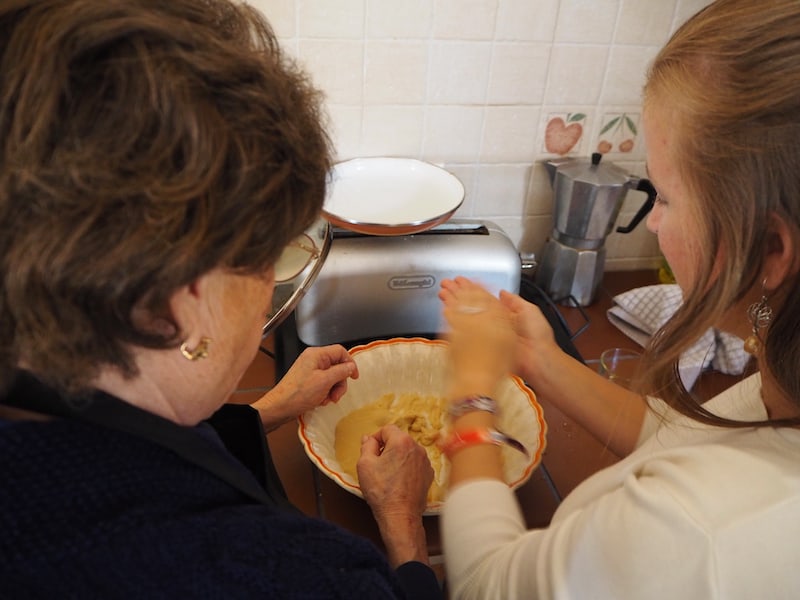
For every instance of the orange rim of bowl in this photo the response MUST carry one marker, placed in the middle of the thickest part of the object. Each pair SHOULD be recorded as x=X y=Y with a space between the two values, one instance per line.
x=534 y=461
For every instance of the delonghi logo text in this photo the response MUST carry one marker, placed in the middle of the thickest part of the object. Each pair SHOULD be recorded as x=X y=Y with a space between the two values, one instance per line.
x=412 y=282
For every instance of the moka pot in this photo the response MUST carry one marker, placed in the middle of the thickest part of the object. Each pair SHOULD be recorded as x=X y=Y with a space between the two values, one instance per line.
x=588 y=195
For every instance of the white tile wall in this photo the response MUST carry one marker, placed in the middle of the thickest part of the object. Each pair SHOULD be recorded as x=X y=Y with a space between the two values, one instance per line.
x=473 y=84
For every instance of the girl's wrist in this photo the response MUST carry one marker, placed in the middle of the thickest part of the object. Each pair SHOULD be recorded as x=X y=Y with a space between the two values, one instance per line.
x=540 y=367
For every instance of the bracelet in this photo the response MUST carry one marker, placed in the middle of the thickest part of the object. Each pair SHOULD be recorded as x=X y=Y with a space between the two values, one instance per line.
x=457 y=440
x=469 y=404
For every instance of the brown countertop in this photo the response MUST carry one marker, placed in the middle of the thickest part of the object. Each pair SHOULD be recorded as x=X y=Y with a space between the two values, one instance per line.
x=571 y=455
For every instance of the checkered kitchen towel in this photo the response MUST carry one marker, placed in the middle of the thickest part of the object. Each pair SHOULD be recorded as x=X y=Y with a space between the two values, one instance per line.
x=640 y=312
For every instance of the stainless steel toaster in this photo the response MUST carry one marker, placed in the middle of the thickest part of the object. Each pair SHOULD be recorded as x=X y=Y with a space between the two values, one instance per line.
x=374 y=287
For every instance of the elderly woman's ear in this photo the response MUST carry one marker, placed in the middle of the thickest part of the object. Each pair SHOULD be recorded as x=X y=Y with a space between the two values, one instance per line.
x=184 y=313
x=198 y=306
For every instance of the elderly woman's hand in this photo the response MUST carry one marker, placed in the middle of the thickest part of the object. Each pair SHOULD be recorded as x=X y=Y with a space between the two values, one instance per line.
x=394 y=474
x=317 y=377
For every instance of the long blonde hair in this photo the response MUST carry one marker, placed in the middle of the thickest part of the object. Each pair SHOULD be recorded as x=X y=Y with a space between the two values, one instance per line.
x=729 y=79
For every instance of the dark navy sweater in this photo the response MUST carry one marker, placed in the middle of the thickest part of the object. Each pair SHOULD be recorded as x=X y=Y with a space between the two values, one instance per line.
x=90 y=511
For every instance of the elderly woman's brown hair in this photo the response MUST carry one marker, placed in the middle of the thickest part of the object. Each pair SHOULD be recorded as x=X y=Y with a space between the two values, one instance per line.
x=732 y=75
x=134 y=159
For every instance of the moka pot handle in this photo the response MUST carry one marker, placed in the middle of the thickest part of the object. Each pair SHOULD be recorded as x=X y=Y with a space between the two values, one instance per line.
x=643 y=185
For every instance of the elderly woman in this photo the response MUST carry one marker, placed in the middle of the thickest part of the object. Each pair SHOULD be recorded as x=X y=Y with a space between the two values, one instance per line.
x=706 y=501
x=157 y=160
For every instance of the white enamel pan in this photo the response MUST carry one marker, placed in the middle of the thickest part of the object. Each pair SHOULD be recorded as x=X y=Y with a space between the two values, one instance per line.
x=391 y=196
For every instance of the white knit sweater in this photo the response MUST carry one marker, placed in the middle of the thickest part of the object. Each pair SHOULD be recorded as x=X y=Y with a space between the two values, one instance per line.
x=693 y=512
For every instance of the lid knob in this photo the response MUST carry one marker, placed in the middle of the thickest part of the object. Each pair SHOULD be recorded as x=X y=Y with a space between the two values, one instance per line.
x=596 y=157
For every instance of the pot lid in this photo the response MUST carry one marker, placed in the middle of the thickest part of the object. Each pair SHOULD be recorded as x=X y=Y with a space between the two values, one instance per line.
x=391 y=196
x=288 y=293
x=592 y=171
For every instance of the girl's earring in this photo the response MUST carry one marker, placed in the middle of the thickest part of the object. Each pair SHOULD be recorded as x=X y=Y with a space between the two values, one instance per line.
x=760 y=315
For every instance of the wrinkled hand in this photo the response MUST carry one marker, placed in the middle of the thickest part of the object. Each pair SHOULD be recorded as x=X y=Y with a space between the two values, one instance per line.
x=394 y=474
x=481 y=335
x=317 y=377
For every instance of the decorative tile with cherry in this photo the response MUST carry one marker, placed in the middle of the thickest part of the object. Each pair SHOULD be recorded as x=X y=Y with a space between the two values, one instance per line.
x=618 y=133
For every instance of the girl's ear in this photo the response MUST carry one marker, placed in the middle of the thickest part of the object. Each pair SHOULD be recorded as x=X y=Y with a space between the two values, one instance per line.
x=781 y=259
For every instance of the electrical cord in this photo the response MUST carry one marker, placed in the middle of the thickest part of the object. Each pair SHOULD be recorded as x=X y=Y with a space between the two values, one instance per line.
x=267 y=351
x=564 y=336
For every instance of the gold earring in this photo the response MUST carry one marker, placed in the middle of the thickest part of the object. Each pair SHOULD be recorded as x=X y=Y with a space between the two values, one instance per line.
x=201 y=351
x=760 y=315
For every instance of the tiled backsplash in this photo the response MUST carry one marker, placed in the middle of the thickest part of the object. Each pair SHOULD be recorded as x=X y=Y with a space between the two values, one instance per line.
x=488 y=89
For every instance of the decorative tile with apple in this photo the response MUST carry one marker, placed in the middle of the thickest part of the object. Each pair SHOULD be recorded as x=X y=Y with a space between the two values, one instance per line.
x=563 y=132
x=618 y=133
